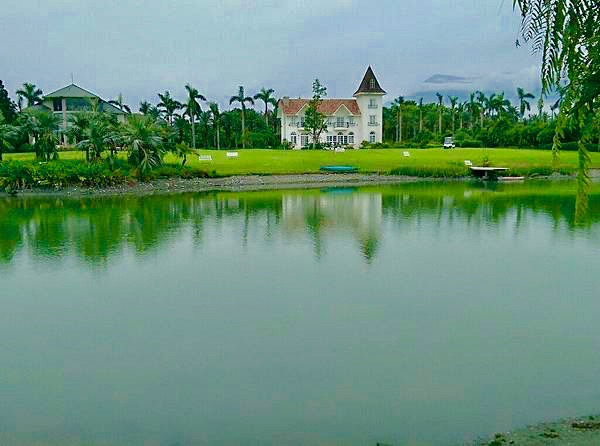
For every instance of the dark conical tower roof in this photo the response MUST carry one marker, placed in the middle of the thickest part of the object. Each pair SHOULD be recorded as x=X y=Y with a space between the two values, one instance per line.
x=369 y=84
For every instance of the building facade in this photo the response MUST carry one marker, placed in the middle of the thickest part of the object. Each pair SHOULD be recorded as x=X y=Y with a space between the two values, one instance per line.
x=349 y=121
x=73 y=99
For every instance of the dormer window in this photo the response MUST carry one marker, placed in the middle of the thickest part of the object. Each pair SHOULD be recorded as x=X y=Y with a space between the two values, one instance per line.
x=339 y=121
x=372 y=84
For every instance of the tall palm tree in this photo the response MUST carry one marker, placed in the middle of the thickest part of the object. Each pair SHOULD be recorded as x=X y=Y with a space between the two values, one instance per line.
x=168 y=105
x=420 y=115
x=242 y=100
x=397 y=106
x=43 y=127
x=462 y=106
x=440 y=107
x=215 y=119
x=266 y=95
x=483 y=102
x=192 y=108
x=453 y=102
x=120 y=104
x=523 y=103
x=30 y=93
x=473 y=108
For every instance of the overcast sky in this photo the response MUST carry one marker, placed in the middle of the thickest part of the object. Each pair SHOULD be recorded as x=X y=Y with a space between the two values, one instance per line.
x=140 y=48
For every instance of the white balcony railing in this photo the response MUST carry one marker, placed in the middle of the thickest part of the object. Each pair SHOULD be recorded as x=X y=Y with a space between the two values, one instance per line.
x=373 y=124
x=373 y=106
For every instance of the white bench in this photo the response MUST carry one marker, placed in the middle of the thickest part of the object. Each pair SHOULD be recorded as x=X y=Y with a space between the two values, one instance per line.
x=406 y=154
x=468 y=163
x=205 y=158
x=232 y=154
x=339 y=150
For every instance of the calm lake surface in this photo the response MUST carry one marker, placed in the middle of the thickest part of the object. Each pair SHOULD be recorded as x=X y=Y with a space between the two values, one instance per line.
x=418 y=314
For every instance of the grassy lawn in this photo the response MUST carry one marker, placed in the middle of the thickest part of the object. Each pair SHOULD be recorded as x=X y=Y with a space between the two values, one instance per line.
x=381 y=160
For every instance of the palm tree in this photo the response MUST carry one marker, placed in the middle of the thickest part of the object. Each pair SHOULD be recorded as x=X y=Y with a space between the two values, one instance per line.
x=95 y=137
x=145 y=107
x=168 y=105
x=120 y=104
x=30 y=93
x=242 y=100
x=420 y=115
x=523 y=103
x=192 y=108
x=498 y=104
x=266 y=95
x=483 y=102
x=453 y=102
x=397 y=105
x=43 y=127
x=141 y=136
x=440 y=106
x=473 y=108
x=215 y=119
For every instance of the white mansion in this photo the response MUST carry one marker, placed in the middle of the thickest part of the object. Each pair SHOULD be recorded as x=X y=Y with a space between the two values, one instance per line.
x=349 y=121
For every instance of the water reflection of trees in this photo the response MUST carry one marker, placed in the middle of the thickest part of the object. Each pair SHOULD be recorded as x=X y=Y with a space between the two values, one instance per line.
x=97 y=229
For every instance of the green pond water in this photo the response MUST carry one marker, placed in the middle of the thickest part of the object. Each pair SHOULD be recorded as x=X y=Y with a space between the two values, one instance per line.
x=417 y=314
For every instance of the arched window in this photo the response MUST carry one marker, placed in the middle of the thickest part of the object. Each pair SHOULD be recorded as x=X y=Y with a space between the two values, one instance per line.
x=293 y=138
x=372 y=137
x=351 y=138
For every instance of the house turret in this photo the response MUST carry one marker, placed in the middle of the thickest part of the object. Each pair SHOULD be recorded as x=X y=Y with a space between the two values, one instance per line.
x=370 y=100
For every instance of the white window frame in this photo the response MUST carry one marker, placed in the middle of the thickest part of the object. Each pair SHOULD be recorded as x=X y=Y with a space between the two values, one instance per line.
x=372 y=137
x=293 y=138
x=351 y=138
x=372 y=119
x=339 y=122
x=304 y=140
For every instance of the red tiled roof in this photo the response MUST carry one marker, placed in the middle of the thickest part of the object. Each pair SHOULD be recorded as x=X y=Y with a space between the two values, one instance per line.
x=328 y=106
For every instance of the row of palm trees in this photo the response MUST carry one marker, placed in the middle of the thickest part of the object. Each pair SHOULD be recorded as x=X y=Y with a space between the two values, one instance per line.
x=170 y=108
x=479 y=106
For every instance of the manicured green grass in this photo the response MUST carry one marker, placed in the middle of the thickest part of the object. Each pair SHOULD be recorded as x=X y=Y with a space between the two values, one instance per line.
x=422 y=162
x=380 y=160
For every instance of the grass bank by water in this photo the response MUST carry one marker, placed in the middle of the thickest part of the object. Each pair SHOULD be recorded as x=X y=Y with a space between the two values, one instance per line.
x=21 y=171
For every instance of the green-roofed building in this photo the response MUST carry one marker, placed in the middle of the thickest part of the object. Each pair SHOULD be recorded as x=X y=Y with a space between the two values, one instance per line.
x=73 y=99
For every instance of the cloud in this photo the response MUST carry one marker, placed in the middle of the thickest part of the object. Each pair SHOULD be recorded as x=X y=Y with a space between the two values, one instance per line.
x=447 y=79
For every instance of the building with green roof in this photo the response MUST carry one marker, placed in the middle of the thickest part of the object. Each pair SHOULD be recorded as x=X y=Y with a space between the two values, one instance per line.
x=73 y=99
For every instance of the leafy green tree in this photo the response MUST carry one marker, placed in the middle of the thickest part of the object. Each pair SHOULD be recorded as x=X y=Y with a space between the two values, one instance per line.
x=192 y=108
x=314 y=120
x=242 y=99
x=141 y=136
x=120 y=104
x=266 y=95
x=8 y=134
x=30 y=93
x=8 y=109
x=524 y=105
x=215 y=119
x=168 y=106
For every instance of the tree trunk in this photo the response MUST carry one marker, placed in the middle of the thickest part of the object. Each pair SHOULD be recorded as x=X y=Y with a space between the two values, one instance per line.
x=243 y=130
x=440 y=122
x=218 y=139
x=453 y=122
x=193 y=131
x=420 y=121
x=400 y=131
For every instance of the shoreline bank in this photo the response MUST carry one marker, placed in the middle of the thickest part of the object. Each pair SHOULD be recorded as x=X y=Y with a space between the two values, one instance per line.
x=246 y=183
x=581 y=431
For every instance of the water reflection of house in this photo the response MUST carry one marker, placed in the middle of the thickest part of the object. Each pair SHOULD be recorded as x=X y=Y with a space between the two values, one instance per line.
x=335 y=211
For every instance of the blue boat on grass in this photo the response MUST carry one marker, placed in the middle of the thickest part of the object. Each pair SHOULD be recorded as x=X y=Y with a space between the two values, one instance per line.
x=339 y=169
